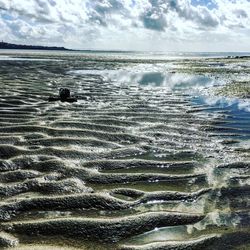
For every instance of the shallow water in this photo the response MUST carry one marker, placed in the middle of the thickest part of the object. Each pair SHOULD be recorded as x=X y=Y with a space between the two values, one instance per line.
x=149 y=157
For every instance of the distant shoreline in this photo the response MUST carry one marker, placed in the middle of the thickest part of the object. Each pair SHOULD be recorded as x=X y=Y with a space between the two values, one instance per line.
x=10 y=46
x=4 y=45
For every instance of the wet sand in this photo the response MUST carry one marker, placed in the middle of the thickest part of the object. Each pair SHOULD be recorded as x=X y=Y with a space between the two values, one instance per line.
x=153 y=155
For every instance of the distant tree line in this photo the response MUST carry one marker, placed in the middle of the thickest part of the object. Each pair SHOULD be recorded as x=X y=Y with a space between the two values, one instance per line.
x=4 y=45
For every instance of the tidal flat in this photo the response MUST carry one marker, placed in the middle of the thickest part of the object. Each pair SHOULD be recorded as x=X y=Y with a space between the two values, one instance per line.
x=155 y=153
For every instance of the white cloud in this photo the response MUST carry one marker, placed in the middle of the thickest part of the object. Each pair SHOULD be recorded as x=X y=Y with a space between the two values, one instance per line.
x=128 y=24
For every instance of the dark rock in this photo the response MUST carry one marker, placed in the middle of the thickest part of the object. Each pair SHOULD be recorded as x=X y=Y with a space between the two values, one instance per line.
x=64 y=93
x=64 y=96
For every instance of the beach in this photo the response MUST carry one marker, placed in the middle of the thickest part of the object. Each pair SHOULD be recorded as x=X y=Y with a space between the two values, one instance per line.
x=155 y=153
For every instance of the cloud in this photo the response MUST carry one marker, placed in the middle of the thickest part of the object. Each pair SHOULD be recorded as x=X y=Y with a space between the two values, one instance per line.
x=127 y=24
x=154 y=17
x=101 y=12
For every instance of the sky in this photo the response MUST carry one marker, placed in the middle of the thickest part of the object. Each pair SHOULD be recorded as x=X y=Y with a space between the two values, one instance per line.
x=147 y=25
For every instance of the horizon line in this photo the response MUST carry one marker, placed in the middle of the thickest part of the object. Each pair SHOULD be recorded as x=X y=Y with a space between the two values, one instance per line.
x=112 y=50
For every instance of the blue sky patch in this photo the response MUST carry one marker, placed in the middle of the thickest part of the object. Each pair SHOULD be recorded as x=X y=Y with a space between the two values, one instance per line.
x=7 y=16
x=210 y=4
